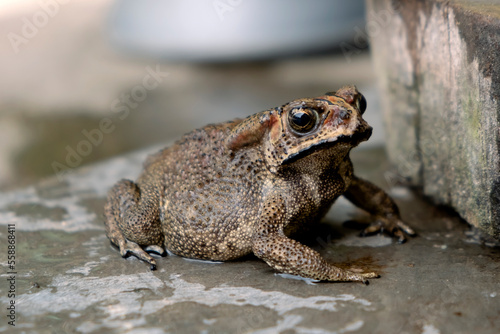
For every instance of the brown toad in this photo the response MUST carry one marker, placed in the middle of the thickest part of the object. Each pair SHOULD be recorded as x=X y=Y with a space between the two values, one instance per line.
x=230 y=189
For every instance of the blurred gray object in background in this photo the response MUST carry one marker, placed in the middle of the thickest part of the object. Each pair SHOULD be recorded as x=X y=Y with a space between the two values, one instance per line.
x=232 y=30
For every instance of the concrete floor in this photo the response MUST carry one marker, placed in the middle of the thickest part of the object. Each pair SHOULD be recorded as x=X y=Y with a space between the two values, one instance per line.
x=71 y=280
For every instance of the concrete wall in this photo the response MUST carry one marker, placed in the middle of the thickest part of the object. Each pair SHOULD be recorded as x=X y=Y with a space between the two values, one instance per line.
x=438 y=66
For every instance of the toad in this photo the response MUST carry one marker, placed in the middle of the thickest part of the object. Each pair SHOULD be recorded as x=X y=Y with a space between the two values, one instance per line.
x=244 y=186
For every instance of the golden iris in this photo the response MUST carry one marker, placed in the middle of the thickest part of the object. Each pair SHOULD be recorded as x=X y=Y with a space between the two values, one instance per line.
x=303 y=120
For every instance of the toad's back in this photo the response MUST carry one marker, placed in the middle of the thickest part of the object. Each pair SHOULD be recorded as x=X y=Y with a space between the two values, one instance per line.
x=208 y=191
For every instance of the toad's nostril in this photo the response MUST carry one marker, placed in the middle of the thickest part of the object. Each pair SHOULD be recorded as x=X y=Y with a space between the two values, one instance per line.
x=343 y=114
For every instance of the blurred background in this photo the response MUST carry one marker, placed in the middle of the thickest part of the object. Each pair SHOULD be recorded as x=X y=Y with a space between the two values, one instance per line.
x=82 y=81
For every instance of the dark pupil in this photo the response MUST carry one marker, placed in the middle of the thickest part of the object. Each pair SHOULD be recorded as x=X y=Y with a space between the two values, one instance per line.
x=301 y=119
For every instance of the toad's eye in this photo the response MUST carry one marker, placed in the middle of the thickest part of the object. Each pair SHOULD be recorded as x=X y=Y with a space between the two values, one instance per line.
x=361 y=103
x=303 y=120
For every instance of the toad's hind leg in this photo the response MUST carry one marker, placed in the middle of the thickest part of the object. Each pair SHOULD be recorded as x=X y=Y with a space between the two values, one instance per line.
x=132 y=221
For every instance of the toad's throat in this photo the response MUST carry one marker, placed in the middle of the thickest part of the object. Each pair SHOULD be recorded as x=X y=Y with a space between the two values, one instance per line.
x=353 y=140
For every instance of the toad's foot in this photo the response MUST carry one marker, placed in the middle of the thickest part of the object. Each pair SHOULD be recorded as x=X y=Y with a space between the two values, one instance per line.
x=391 y=224
x=128 y=248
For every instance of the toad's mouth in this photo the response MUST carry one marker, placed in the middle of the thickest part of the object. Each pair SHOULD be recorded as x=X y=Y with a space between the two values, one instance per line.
x=352 y=141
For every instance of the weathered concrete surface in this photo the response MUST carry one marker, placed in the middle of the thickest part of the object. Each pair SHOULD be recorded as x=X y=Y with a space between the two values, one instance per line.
x=438 y=65
x=69 y=279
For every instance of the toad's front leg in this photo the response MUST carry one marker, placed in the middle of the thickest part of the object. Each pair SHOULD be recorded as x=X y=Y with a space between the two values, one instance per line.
x=385 y=212
x=291 y=257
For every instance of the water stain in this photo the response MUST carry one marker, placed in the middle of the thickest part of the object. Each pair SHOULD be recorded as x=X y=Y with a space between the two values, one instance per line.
x=362 y=264
x=52 y=188
x=37 y=211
